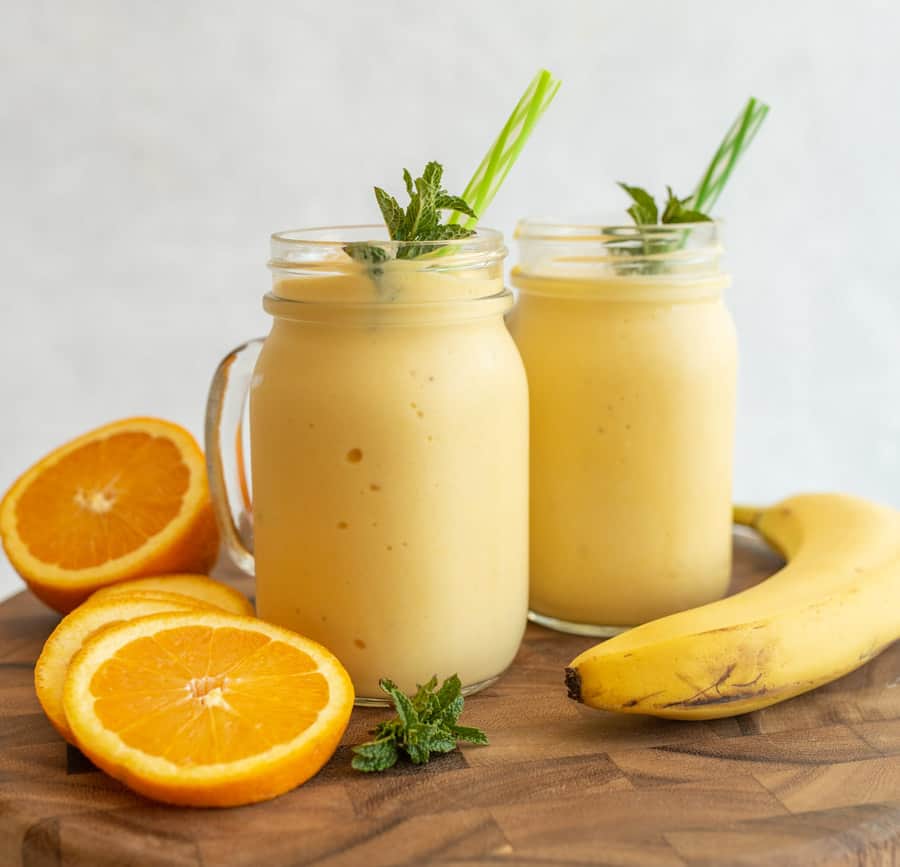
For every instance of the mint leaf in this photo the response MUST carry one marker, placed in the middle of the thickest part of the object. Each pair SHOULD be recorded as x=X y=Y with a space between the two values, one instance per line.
x=425 y=724
x=644 y=210
x=390 y=210
x=445 y=202
x=438 y=738
x=378 y=755
x=425 y=701
x=450 y=700
x=470 y=734
x=677 y=211
x=406 y=711
x=674 y=207
x=447 y=233
x=685 y=215
x=416 y=744
x=450 y=690
x=432 y=175
x=450 y=714
x=409 y=228
x=363 y=252
x=391 y=729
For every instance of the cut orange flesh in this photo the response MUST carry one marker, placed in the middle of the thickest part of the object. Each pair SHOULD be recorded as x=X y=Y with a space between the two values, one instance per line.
x=123 y=501
x=206 y=709
x=199 y=587
x=72 y=631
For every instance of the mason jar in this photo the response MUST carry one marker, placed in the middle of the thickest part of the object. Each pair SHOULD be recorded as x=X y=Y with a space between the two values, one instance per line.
x=389 y=454
x=631 y=359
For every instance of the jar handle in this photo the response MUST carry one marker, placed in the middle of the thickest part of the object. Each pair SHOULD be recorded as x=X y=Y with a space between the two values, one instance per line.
x=224 y=436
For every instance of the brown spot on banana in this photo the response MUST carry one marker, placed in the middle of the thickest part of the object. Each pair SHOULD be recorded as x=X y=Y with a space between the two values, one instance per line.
x=738 y=693
x=634 y=702
x=703 y=693
x=705 y=700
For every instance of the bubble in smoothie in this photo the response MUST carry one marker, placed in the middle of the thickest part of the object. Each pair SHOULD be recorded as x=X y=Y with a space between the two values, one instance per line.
x=354 y=456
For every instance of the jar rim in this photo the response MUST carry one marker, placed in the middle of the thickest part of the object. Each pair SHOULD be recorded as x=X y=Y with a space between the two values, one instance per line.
x=316 y=265
x=603 y=232
x=323 y=238
x=590 y=251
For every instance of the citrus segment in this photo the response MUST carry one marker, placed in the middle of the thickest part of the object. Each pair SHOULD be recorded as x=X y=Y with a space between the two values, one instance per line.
x=71 y=632
x=126 y=500
x=206 y=709
x=200 y=587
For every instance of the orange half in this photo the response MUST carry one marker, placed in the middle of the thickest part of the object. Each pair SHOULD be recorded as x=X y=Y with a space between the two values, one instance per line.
x=123 y=501
x=206 y=709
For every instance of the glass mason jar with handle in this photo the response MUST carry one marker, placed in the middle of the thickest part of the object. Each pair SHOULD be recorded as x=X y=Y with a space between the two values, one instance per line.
x=388 y=437
x=631 y=360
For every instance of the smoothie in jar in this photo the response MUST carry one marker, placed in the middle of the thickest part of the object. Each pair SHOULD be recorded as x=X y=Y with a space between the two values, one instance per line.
x=631 y=362
x=389 y=435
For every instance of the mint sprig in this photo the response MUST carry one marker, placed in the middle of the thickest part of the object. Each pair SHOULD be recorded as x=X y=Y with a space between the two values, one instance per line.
x=644 y=210
x=425 y=724
x=695 y=208
x=421 y=221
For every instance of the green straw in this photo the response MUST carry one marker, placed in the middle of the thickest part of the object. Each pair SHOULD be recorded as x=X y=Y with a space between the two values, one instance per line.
x=497 y=162
x=736 y=141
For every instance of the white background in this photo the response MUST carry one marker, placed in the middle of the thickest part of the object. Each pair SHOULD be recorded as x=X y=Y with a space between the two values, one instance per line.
x=148 y=149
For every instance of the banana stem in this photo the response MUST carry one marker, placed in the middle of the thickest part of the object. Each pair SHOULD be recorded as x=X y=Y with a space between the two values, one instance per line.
x=747 y=516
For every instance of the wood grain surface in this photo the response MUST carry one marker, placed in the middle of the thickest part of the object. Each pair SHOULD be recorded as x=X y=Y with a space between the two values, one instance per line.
x=813 y=781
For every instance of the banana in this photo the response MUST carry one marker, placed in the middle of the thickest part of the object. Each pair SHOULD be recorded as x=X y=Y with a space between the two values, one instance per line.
x=833 y=607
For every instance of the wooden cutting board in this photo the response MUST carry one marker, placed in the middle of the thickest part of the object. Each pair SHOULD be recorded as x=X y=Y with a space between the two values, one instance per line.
x=813 y=781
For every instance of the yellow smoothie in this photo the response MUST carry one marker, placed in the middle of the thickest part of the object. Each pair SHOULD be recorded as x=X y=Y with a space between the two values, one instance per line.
x=389 y=437
x=632 y=388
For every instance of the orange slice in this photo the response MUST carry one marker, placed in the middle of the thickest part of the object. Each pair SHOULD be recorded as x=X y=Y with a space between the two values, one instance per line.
x=66 y=640
x=123 y=501
x=197 y=586
x=179 y=600
x=206 y=709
